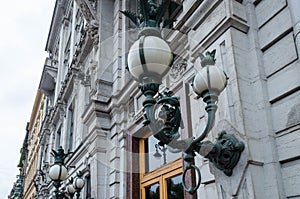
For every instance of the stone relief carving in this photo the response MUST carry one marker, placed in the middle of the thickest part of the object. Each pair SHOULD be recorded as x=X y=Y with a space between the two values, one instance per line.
x=52 y=125
x=93 y=3
x=177 y=71
x=62 y=108
x=93 y=77
x=84 y=78
x=78 y=49
x=92 y=30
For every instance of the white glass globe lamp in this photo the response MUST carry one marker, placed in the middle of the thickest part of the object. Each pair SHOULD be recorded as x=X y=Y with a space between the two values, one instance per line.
x=149 y=59
x=209 y=79
x=58 y=172
x=78 y=183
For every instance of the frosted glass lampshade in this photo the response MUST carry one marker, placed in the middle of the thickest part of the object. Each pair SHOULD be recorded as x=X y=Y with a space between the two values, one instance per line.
x=78 y=183
x=209 y=78
x=157 y=56
x=71 y=189
x=58 y=172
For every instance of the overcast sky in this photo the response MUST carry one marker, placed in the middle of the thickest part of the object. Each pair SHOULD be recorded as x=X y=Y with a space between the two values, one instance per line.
x=24 y=30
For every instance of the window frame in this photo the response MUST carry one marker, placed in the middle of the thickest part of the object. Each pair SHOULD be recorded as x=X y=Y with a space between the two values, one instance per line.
x=160 y=175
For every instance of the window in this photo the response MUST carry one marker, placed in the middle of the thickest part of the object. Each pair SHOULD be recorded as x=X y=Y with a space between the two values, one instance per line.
x=157 y=156
x=70 y=128
x=161 y=171
x=88 y=187
x=58 y=138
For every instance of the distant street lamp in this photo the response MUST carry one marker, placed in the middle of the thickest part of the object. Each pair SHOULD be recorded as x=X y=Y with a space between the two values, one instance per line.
x=70 y=188
x=58 y=172
x=18 y=189
x=157 y=155
x=78 y=184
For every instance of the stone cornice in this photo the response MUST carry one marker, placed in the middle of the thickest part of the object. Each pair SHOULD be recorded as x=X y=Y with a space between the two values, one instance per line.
x=211 y=20
x=56 y=22
x=226 y=24
x=88 y=9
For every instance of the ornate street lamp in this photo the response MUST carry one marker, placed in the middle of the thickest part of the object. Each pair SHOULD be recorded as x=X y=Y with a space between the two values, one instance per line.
x=18 y=191
x=149 y=60
x=78 y=184
x=58 y=172
x=157 y=154
x=70 y=188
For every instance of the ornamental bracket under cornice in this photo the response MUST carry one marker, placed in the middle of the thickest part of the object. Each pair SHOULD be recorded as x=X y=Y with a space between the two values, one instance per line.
x=88 y=9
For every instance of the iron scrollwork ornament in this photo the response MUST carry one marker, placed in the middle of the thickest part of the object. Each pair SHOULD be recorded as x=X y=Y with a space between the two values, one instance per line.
x=166 y=118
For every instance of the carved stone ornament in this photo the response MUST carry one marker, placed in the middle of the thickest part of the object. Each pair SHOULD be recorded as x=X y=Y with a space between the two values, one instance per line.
x=177 y=71
x=89 y=10
x=93 y=4
x=62 y=109
x=92 y=30
x=93 y=77
x=84 y=78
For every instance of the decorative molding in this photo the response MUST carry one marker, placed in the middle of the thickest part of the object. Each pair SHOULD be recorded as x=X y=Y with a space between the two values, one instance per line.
x=79 y=49
x=88 y=9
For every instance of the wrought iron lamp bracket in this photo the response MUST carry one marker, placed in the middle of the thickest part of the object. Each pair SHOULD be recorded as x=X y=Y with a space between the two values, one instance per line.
x=162 y=111
x=224 y=153
x=162 y=115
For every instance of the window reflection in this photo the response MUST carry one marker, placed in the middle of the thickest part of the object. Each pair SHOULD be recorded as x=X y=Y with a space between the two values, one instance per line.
x=175 y=188
x=157 y=156
x=152 y=192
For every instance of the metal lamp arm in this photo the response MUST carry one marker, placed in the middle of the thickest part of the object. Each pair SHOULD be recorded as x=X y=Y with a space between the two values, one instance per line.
x=210 y=98
x=149 y=90
x=209 y=126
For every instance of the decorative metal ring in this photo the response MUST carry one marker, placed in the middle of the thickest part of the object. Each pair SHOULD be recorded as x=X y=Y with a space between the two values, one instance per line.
x=192 y=189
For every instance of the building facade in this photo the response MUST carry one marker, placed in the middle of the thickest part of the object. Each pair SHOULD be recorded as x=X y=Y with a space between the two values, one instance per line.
x=34 y=130
x=94 y=107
